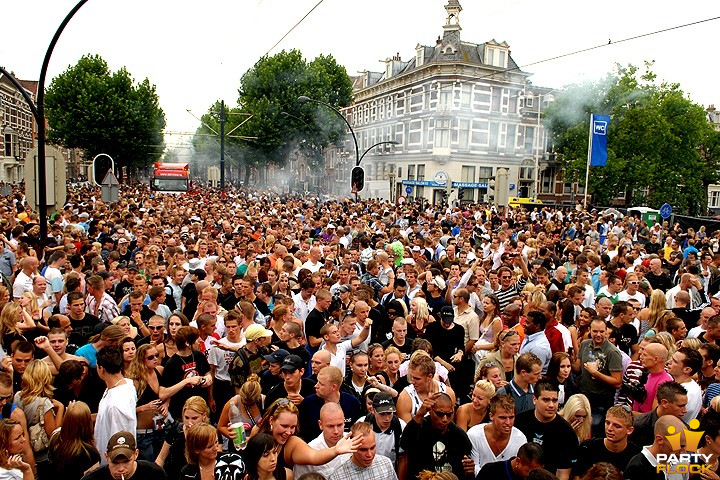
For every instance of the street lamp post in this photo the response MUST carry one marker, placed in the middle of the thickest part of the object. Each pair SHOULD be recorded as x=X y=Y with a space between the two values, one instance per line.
x=358 y=157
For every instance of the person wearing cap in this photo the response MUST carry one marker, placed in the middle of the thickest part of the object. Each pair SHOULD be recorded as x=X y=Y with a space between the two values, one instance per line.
x=294 y=387
x=435 y=299
x=447 y=339
x=272 y=376
x=249 y=358
x=122 y=461
x=388 y=427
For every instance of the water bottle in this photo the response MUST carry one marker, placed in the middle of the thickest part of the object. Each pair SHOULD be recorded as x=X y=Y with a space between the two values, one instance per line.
x=237 y=425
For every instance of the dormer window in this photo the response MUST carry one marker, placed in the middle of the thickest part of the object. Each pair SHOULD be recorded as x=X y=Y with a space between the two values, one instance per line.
x=496 y=56
x=449 y=50
x=419 y=56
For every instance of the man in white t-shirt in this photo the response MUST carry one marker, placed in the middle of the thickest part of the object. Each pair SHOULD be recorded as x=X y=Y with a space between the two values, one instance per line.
x=220 y=356
x=684 y=364
x=54 y=276
x=116 y=411
x=337 y=348
x=332 y=425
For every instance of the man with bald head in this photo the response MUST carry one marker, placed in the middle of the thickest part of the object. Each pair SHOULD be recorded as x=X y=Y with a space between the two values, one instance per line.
x=332 y=427
x=653 y=359
x=603 y=307
x=688 y=283
x=705 y=315
x=669 y=439
x=24 y=279
x=656 y=276
x=313 y=263
x=320 y=360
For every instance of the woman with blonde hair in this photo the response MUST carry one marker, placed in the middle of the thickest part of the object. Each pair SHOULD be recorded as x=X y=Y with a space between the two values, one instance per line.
x=476 y=411
x=29 y=302
x=249 y=401
x=172 y=455
x=43 y=413
x=506 y=351
x=393 y=360
x=72 y=449
x=577 y=413
x=203 y=453
x=281 y=422
x=125 y=323
x=14 y=321
x=651 y=315
x=419 y=316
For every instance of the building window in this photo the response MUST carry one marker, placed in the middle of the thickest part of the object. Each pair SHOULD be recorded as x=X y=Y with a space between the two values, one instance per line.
x=400 y=105
x=421 y=172
x=442 y=133
x=411 y=172
x=715 y=198
x=415 y=133
x=482 y=98
x=502 y=138
x=416 y=100
x=400 y=134
x=468 y=173
x=529 y=139
x=547 y=180
x=419 y=192
x=527 y=170
x=485 y=174
x=445 y=97
x=496 y=56
x=463 y=133
x=480 y=133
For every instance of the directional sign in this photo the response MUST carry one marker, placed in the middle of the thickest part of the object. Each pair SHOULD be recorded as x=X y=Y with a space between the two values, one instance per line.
x=408 y=189
x=665 y=211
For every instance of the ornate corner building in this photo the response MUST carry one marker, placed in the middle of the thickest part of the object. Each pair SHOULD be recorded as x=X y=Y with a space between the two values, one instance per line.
x=458 y=111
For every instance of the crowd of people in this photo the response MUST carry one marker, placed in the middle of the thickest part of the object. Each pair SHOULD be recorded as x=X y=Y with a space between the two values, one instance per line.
x=253 y=336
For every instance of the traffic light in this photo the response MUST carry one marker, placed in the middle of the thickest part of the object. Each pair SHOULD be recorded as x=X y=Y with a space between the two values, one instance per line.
x=461 y=194
x=357 y=179
x=101 y=164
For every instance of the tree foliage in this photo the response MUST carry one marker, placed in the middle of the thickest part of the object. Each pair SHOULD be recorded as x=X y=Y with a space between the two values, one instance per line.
x=271 y=87
x=99 y=111
x=661 y=147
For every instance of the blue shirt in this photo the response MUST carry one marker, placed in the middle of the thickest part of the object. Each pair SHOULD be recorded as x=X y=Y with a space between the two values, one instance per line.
x=88 y=352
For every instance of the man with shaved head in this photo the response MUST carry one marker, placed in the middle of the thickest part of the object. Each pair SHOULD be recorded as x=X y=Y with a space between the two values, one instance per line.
x=705 y=315
x=669 y=439
x=332 y=426
x=653 y=359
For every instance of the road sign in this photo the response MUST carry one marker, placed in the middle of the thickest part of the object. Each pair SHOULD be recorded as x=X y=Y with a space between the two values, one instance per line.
x=408 y=189
x=401 y=200
x=665 y=211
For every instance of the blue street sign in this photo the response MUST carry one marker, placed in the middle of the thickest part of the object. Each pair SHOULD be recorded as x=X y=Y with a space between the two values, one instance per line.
x=665 y=211
x=408 y=189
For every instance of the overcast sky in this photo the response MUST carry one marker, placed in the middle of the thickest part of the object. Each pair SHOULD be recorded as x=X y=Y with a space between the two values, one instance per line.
x=196 y=51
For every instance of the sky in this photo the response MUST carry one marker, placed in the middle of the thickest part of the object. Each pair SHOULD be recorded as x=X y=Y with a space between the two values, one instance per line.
x=196 y=52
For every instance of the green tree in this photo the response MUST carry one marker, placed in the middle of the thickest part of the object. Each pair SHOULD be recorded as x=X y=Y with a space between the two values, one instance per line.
x=661 y=148
x=271 y=87
x=99 y=111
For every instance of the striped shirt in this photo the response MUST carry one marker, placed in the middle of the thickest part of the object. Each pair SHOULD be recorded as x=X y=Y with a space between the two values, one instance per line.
x=514 y=290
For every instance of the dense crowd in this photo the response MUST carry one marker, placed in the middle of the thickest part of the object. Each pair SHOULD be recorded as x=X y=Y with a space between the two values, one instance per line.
x=247 y=335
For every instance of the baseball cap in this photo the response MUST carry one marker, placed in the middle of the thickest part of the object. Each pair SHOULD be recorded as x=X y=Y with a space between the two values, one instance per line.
x=383 y=402
x=447 y=314
x=255 y=331
x=438 y=282
x=122 y=443
x=277 y=356
x=123 y=240
x=292 y=363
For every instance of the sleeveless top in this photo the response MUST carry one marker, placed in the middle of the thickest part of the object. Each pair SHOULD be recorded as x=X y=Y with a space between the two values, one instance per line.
x=415 y=398
x=148 y=394
x=487 y=333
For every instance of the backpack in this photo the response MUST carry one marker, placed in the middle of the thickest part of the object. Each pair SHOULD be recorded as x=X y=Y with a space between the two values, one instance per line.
x=396 y=428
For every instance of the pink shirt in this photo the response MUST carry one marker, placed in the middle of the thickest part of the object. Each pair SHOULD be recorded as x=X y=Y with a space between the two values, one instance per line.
x=653 y=381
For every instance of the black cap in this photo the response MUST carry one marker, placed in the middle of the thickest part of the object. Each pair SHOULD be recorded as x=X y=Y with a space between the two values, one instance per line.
x=383 y=402
x=447 y=314
x=292 y=363
x=277 y=356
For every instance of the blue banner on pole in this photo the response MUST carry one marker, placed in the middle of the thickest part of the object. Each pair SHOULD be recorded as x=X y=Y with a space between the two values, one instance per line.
x=598 y=140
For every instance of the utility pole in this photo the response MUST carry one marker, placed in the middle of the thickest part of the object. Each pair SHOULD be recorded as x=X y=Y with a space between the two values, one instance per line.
x=222 y=145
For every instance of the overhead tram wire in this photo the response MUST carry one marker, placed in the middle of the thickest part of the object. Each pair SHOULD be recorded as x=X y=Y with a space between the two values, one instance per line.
x=293 y=27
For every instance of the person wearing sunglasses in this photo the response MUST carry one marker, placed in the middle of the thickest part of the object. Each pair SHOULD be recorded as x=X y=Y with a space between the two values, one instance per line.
x=433 y=442
x=152 y=402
